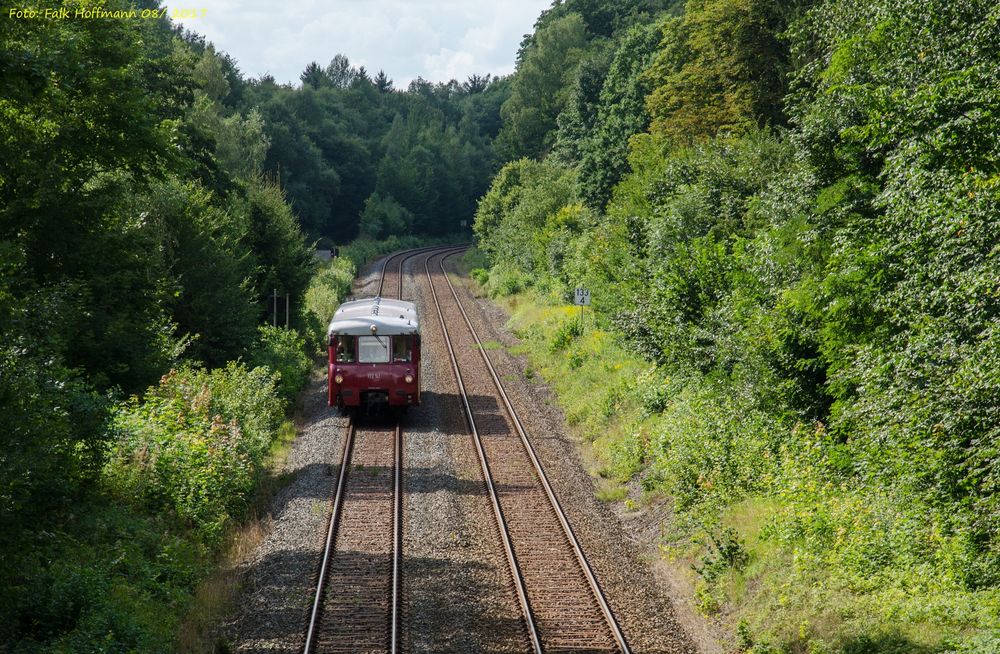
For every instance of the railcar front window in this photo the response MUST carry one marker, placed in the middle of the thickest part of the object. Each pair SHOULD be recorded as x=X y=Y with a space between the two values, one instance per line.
x=373 y=349
x=345 y=349
x=402 y=348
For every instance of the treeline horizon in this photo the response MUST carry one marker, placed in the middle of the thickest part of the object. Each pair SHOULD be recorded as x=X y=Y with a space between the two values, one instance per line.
x=357 y=157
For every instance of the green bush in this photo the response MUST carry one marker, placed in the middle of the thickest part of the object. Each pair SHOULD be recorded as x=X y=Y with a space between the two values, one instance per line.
x=195 y=444
x=110 y=579
x=282 y=351
x=481 y=276
x=328 y=288
x=505 y=280
x=564 y=335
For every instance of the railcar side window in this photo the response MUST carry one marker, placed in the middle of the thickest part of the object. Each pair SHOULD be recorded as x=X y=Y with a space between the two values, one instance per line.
x=402 y=348
x=345 y=348
x=373 y=349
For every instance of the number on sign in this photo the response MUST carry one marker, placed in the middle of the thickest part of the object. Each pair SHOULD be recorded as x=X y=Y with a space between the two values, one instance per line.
x=582 y=297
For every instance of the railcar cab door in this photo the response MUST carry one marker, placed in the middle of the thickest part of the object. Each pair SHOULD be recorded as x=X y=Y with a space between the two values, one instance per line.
x=343 y=349
x=406 y=350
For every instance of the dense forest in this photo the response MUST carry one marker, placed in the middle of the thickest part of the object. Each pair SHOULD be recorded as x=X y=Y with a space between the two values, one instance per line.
x=152 y=199
x=787 y=213
x=346 y=144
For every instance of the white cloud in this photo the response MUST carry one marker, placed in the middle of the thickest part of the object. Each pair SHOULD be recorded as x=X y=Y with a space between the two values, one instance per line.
x=437 y=40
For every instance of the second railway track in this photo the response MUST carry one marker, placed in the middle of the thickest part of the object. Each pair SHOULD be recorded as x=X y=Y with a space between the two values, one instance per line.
x=563 y=606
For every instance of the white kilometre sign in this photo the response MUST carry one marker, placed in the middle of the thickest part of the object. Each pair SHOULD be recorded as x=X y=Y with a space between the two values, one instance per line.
x=582 y=297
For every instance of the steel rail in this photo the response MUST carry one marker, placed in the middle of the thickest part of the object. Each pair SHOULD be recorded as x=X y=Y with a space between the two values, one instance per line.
x=515 y=570
x=397 y=539
x=571 y=537
x=397 y=503
x=406 y=256
x=331 y=535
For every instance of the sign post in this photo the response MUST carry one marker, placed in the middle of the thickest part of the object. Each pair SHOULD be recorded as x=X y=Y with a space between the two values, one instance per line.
x=582 y=298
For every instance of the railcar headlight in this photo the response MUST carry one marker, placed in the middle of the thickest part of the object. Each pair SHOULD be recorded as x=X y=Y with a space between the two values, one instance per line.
x=339 y=379
x=408 y=379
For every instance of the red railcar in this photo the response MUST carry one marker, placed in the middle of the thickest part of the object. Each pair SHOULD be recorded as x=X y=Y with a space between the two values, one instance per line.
x=374 y=347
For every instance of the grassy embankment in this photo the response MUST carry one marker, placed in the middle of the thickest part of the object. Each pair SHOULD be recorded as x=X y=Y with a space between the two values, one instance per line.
x=800 y=565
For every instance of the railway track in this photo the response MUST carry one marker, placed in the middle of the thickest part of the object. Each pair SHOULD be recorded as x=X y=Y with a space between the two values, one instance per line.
x=562 y=605
x=356 y=608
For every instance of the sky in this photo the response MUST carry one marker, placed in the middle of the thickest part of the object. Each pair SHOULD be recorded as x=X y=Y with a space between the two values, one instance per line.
x=434 y=39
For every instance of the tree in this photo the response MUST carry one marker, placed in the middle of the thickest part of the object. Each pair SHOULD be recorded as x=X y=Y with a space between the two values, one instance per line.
x=476 y=83
x=384 y=217
x=721 y=68
x=211 y=77
x=382 y=82
x=620 y=114
x=241 y=144
x=314 y=76
x=340 y=72
x=577 y=120
x=540 y=88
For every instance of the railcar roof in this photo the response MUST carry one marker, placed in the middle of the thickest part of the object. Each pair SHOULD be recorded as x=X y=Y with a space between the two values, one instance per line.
x=389 y=317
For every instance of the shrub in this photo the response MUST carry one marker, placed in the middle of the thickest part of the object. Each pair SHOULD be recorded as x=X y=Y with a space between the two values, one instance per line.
x=282 y=351
x=564 y=335
x=327 y=290
x=654 y=393
x=195 y=444
x=481 y=276
x=725 y=552
x=505 y=280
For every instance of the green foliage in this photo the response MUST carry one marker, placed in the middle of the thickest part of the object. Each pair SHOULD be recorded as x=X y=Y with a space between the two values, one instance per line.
x=721 y=69
x=576 y=121
x=505 y=280
x=481 y=275
x=201 y=243
x=519 y=221
x=278 y=255
x=345 y=146
x=135 y=232
x=328 y=289
x=284 y=352
x=602 y=18
x=620 y=113
x=52 y=420
x=383 y=217
x=539 y=91
x=195 y=444
x=563 y=336
x=819 y=303
x=725 y=552
x=107 y=577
